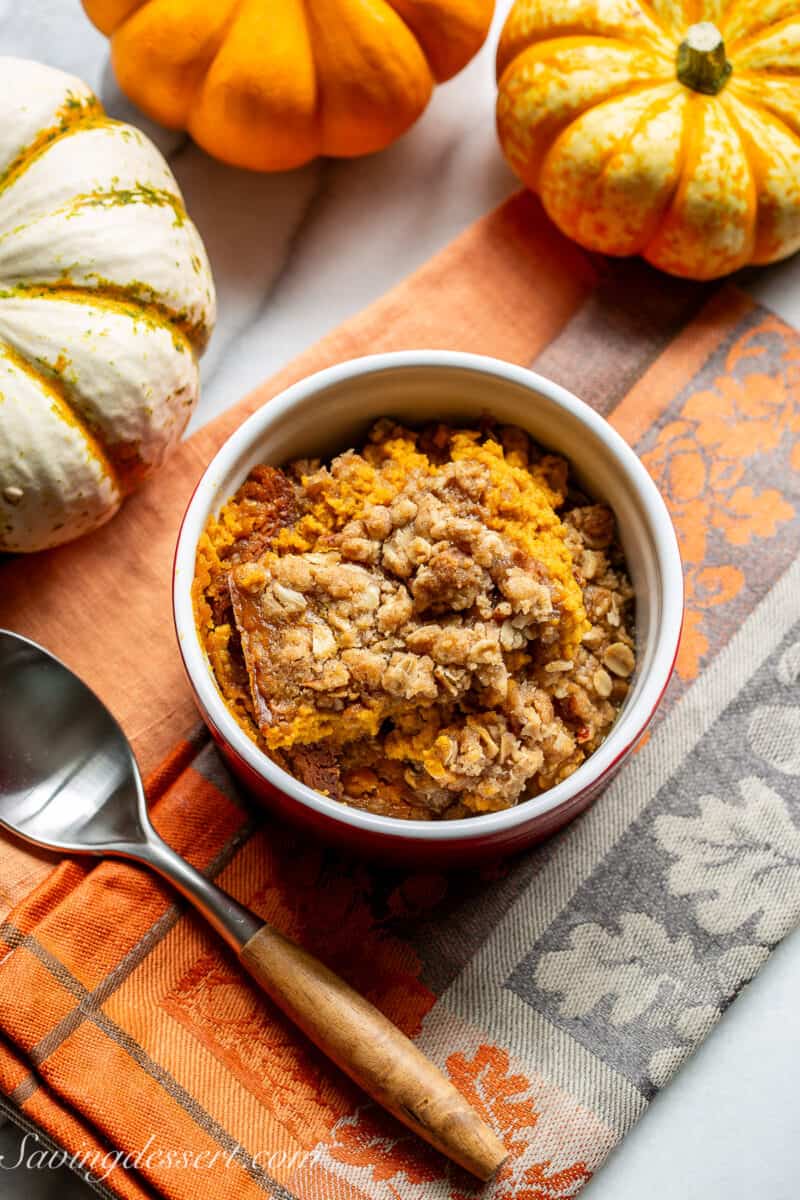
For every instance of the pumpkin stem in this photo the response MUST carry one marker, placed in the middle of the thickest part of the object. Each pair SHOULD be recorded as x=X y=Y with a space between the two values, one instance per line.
x=702 y=65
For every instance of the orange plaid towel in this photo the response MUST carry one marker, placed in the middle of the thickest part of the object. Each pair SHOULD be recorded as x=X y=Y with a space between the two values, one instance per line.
x=561 y=991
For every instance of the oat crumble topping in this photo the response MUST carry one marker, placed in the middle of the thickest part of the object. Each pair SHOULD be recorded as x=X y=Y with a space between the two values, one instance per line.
x=434 y=626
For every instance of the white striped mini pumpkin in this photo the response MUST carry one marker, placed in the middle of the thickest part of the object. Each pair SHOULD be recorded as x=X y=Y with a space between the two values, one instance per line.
x=106 y=302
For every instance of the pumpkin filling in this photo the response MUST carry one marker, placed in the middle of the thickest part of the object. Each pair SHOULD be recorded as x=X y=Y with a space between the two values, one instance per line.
x=435 y=625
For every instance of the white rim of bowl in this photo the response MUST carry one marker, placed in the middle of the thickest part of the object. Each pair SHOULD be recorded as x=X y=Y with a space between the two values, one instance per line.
x=624 y=733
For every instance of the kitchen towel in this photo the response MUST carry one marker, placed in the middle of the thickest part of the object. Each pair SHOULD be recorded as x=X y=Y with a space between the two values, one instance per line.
x=560 y=990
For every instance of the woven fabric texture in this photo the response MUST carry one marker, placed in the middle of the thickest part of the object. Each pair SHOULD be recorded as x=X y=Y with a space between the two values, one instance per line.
x=559 y=991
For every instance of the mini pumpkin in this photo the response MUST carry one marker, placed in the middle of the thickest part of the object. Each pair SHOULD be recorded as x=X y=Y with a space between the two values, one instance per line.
x=106 y=301
x=271 y=84
x=669 y=129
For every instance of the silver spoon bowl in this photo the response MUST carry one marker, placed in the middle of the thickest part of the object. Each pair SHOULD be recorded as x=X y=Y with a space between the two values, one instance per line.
x=69 y=780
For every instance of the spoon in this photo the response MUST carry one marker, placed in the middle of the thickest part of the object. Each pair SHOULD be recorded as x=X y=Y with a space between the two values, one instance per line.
x=69 y=781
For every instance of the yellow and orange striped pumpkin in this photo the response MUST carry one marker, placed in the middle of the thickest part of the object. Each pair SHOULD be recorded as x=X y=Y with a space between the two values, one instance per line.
x=666 y=128
x=271 y=84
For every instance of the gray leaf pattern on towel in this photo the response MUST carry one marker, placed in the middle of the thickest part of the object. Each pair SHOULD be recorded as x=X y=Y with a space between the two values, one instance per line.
x=641 y=969
x=737 y=859
x=647 y=976
x=682 y=911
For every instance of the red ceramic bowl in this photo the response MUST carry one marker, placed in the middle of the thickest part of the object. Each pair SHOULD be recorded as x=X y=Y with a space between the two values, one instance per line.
x=330 y=411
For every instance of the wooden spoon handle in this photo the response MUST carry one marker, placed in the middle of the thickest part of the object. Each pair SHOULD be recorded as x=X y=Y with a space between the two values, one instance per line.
x=371 y=1050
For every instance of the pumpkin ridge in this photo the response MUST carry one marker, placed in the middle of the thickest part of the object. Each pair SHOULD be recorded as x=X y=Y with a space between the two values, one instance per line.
x=65 y=410
x=624 y=144
x=555 y=146
x=199 y=131
x=75 y=115
x=670 y=200
x=683 y=163
x=188 y=336
x=740 y=113
x=756 y=75
x=744 y=143
x=696 y=128
x=237 y=6
x=724 y=18
x=308 y=17
x=209 y=64
x=656 y=39
x=747 y=41
x=730 y=113
x=319 y=93
x=765 y=110
x=625 y=89
x=669 y=31
x=589 y=39
x=374 y=16
x=104 y=27
x=139 y=194
x=206 y=59
x=417 y=28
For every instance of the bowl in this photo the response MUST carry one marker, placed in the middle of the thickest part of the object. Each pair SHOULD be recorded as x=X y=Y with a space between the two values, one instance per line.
x=330 y=411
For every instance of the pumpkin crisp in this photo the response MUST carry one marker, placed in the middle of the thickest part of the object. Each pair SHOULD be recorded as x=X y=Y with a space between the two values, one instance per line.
x=435 y=625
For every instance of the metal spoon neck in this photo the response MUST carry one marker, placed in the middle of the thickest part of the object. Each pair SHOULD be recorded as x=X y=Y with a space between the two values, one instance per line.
x=234 y=923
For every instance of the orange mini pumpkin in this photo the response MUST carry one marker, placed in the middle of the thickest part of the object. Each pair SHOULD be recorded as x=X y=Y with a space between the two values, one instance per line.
x=668 y=128
x=270 y=84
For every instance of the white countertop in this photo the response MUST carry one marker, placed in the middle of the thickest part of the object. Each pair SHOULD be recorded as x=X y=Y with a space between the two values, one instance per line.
x=295 y=254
